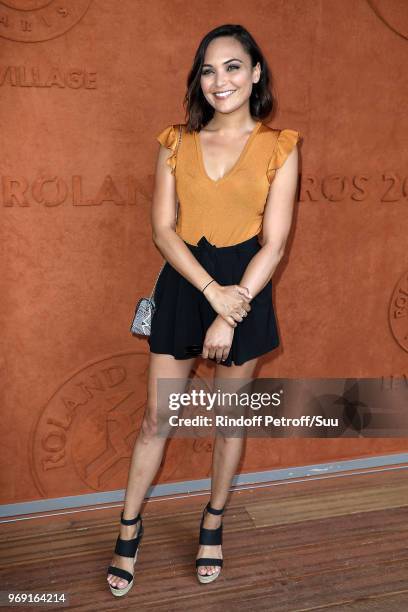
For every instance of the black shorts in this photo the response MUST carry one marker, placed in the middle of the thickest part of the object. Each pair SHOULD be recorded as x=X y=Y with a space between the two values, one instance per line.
x=183 y=313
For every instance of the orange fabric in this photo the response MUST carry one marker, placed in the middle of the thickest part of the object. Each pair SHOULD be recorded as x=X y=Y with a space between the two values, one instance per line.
x=229 y=210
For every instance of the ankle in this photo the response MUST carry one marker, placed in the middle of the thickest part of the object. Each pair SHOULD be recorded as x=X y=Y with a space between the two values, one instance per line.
x=129 y=531
x=212 y=521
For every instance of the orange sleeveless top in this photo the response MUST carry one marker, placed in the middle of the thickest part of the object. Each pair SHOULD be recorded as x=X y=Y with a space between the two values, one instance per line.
x=229 y=210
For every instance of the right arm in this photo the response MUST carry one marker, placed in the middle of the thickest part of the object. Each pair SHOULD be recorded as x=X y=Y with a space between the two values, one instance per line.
x=227 y=301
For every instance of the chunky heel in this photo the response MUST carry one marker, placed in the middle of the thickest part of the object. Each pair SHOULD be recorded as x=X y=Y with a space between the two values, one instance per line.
x=126 y=548
x=209 y=537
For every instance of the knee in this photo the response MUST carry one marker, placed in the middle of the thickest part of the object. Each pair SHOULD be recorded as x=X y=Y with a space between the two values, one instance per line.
x=153 y=424
x=149 y=429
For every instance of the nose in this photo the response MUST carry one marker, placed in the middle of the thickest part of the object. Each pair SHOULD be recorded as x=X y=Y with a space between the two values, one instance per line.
x=219 y=81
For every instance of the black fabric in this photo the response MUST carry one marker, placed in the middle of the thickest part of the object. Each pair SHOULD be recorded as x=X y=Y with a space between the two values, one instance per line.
x=132 y=521
x=120 y=573
x=183 y=313
x=212 y=510
x=208 y=561
x=210 y=537
x=127 y=548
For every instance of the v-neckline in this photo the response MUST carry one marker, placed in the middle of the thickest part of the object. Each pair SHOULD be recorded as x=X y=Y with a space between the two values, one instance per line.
x=236 y=164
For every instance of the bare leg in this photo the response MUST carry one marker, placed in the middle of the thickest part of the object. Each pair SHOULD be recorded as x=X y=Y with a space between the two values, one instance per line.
x=225 y=460
x=147 y=451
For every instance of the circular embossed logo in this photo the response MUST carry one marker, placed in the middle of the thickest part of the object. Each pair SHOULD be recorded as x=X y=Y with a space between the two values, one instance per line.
x=39 y=20
x=86 y=432
x=398 y=312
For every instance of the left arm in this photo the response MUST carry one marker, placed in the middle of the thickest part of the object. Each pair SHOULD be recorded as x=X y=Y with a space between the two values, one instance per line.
x=277 y=221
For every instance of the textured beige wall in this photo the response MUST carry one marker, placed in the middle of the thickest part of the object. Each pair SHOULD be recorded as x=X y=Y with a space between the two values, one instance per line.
x=85 y=87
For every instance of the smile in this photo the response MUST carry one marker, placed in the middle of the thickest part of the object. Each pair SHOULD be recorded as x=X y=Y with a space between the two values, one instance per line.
x=224 y=94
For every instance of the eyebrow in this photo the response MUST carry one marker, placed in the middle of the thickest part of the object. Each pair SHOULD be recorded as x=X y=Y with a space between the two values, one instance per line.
x=226 y=62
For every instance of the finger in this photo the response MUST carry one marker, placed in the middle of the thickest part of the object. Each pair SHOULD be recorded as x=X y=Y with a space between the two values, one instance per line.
x=211 y=352
x=218 y=354
x=245 y=304
x=231 y=321
x=244 y=291
x=204 y=354
x=225 y=353
x=236 y=316
x=243 y=294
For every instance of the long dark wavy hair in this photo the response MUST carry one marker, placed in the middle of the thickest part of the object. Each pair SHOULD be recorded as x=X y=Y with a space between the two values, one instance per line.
x=261 y=103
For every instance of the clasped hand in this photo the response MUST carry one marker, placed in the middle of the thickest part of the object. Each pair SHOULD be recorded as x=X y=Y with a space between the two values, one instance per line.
x=231 y=302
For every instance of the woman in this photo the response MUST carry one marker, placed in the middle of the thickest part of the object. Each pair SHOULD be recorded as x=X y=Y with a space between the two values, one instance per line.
x=236 y=180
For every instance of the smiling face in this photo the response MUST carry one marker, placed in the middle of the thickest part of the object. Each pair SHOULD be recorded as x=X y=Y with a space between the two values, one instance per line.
x=227 y=75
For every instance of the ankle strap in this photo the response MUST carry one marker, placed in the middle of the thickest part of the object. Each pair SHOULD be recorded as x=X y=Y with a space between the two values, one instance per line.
x=132 y=521
x=212 y=510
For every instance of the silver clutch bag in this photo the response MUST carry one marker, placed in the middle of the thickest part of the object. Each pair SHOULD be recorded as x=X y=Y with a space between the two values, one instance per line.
x=142 y=320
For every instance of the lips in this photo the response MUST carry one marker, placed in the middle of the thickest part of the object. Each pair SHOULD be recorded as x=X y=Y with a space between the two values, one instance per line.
x=224 y=94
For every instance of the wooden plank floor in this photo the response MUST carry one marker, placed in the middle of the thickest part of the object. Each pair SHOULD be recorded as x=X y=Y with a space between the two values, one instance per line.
x=328 y=544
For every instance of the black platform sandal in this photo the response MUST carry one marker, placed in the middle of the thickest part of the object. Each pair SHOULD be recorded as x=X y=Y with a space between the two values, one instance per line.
x=209 y=537
x=126 y=548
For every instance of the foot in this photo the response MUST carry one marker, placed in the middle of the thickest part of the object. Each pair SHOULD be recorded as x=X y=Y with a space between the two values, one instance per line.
x=127 y=532
x=211 y=521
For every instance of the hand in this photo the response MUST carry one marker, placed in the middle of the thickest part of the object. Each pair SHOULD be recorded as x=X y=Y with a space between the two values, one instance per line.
x=218 y=340
x=231 y=302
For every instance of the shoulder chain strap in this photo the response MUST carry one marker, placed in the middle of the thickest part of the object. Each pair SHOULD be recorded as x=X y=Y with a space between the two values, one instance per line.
x=154 y=287
x=164 y=263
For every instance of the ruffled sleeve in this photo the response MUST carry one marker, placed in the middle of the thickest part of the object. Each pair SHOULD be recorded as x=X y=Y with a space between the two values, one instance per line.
x=169 y=138
x=286 y=141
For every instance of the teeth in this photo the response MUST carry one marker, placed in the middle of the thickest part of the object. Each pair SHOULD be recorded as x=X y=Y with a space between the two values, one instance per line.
x=224 y=94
